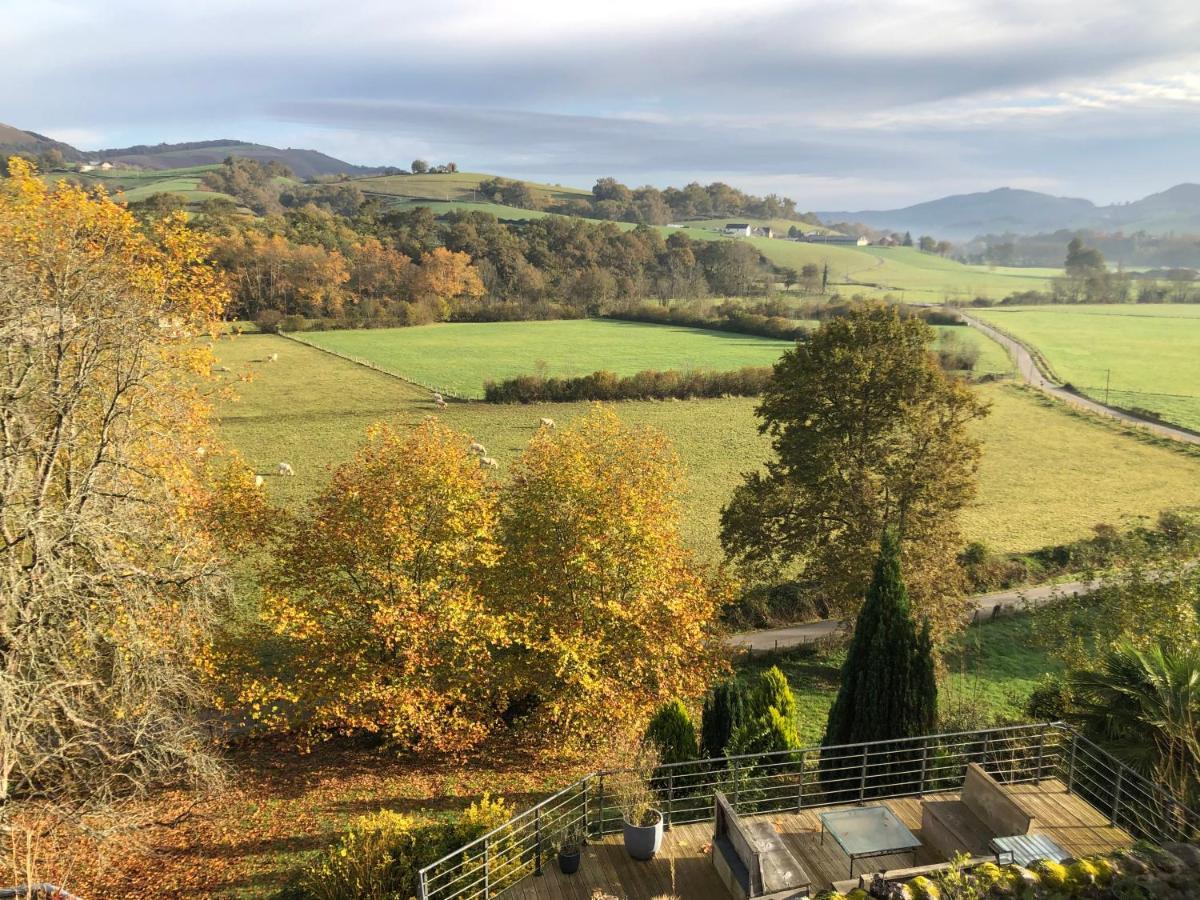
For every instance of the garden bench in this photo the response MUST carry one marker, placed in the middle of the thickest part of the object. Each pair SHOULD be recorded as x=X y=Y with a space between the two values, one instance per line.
x=983 y=811
x=751 y=857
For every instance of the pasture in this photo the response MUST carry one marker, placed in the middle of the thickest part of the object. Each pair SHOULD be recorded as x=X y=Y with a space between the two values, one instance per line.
x=1148 y=355
x=1047 y=475
x=453 y=186
x=461 y=357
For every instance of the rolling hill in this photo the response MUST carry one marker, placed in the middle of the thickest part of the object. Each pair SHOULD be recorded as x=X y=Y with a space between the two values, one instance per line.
x=1006 y=210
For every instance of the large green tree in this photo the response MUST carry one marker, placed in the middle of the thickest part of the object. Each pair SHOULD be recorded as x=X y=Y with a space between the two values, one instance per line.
x=889 y=686
x=868 y=432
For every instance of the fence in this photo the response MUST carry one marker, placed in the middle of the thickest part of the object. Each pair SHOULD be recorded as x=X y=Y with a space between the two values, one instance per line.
x=366 y=363
x=815 y=776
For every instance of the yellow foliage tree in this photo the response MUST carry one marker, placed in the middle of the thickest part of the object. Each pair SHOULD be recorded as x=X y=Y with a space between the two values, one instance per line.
x=446 y=275
x=607 y=615
x=376 y=594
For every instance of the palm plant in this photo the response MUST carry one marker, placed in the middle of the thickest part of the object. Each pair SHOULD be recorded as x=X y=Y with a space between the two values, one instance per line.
x=1143 y=705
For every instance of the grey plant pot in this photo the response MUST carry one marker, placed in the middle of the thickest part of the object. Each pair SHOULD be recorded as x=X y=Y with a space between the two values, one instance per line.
x=643 y=841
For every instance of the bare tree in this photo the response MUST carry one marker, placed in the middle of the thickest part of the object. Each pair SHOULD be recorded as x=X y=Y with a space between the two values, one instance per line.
x=109 y=581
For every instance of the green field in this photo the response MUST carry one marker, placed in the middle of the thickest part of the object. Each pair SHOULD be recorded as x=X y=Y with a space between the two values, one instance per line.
x=1047 y=475
x=460 y=358
x=1147 y=355
x=456 y=186
x=134 y=185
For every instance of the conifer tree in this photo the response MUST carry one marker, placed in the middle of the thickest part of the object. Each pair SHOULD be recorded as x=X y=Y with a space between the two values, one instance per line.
x=889 y=686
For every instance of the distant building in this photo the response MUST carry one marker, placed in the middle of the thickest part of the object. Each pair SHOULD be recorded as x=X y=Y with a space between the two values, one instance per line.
x=741 y=229
x=106 y=165
x=887 y=241
x=766 y=231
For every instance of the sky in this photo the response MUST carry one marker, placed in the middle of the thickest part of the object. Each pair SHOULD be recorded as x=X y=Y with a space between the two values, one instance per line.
x=842 y=104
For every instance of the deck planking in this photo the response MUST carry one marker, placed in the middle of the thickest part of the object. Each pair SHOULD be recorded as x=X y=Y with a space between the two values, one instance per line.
x=683 y=868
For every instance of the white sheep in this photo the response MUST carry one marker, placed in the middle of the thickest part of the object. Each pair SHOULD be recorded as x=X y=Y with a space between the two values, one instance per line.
x=274 y=357
x=201 y=452
x=284 y=469
x=486 y=462
x=439 y=403
x=546 y=423
x=258 y=481
x=438 y=398
x=477 y=448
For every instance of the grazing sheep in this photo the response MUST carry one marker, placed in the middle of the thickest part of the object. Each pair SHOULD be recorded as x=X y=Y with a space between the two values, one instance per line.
x=546 y=423
x=440 y=403
x=284 y=469
x=438 y=398
x=201 y=451
x=258 y=481
x=274 y=357
x=486 y=462
x=477 y=448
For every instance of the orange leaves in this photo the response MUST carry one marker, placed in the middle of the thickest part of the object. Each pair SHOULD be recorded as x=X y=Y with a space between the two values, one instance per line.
x=446 y=275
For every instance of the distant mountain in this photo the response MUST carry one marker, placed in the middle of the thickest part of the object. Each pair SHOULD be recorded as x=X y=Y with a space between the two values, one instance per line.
x=304 y=163
x=1010 y=211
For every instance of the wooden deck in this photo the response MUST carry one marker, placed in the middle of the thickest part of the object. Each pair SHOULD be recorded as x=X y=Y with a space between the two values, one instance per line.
x=683 y=869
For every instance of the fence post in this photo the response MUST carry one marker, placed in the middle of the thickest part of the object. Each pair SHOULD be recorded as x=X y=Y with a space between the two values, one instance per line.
x=924 y=764
x=587 y=783
x=800 y=790
x=487 y=868
x=1071 y=763
x=987 y=748
x=537 y=827
x=422 y=887
x=670 y=798
x=862 y=780
x=1117 y=795
x=737 y=787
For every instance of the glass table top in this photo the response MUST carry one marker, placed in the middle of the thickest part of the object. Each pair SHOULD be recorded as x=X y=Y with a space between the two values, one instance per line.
x=868 y=830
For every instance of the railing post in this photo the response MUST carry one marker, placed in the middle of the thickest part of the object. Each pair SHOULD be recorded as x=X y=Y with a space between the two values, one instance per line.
x=1037 y=779
x=800 y=790
x=924 y=764
x=487 y=869
x=1117 y=795
x=537 y=828
x=987 y=748
x=587 y=783
x=422 y=886
x=1071 y=763
x=600 y=823
x=862 y=779
x=670 y=798
x=737 y=787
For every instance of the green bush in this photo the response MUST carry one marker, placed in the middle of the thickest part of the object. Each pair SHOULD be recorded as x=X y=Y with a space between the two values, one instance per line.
x=724 y=710
x=647 y=385
x=772 y=691
x=672 y=732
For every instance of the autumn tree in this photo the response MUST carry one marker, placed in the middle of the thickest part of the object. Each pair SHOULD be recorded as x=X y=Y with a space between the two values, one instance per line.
x=375 y=595
x=607 y=615
x=868 y=432
x=110 y=581
x=444 y=276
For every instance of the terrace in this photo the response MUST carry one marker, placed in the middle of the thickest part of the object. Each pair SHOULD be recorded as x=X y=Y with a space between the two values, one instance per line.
x=1070 y=792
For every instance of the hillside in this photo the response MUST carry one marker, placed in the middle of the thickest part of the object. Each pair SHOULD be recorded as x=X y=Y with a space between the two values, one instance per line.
x=1009 y=211
x=14 y=140
x=303 y=163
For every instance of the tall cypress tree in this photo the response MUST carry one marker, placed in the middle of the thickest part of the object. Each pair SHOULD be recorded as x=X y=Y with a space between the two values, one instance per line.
x=889 y=687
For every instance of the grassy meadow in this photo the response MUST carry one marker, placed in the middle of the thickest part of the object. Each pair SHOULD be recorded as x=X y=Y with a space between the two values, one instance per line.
x=1047 y=476
x=1148 y=353
x=454 y=186
x=461 y=357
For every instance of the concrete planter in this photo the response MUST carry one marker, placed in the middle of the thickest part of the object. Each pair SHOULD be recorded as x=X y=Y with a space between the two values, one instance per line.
x=643 y=841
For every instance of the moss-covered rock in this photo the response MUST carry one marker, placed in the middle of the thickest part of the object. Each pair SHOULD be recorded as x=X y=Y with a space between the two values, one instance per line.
x=1053 y=875
x=923 y=888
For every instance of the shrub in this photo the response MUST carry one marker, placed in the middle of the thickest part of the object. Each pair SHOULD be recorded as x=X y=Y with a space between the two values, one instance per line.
x=646 y=385
x=268 y=320
x=1050 y=701
x=380 y=855
x=672 y=732
x=772 y=691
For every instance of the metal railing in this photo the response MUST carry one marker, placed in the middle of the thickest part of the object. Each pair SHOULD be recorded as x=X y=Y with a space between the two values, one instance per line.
x=791 y=781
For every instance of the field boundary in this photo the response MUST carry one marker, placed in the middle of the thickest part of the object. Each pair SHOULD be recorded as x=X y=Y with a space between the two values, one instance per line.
x=367 y=364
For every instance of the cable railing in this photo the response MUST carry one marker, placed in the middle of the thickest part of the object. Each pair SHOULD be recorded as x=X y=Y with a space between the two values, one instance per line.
x=794 y=780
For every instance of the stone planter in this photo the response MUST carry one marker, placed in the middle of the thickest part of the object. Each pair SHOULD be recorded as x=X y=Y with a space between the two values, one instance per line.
x=643 y=841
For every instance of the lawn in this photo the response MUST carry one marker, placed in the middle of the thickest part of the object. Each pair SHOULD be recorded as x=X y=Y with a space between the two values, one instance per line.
x=459 y=358
x=990 y=668
x=1047 y=476
x=455 y=186
x=1144 y=355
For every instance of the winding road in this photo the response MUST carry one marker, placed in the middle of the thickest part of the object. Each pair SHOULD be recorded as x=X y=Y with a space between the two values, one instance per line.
x=1029 y=371
x=981 y=607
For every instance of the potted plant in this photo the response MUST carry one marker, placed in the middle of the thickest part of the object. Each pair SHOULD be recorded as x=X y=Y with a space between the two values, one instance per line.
x=570 y=847
x=642 y=821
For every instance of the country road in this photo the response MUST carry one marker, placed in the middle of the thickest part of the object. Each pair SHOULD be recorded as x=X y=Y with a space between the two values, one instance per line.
x=1032 y=375
x=982 y=607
